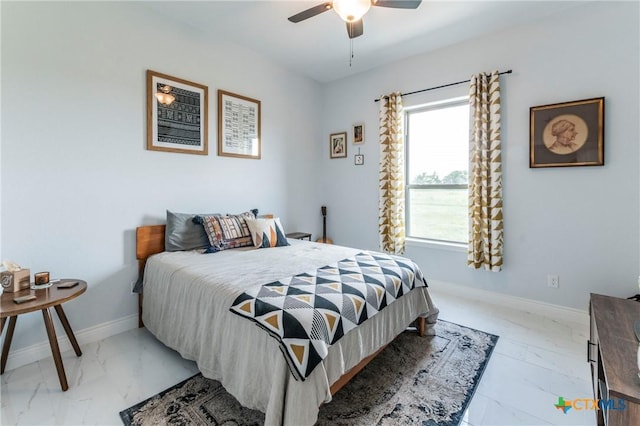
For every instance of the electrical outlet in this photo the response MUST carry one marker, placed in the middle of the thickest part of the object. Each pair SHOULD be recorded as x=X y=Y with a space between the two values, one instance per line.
x=553 y=281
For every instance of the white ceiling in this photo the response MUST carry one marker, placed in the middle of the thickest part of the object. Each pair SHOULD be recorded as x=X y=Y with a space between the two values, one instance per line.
x=319 y=47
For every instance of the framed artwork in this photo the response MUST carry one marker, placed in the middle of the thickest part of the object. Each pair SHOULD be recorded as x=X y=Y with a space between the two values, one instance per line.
x=177 y=115
x=567 y=134
x=338 y=145
x=238 y=126
x=358 y=159
x=358 y=134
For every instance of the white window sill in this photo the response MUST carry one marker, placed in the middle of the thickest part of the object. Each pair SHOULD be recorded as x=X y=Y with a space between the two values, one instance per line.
x=440 y=245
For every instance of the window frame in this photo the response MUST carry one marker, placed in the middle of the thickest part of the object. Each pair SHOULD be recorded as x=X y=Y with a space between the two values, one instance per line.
x=446 y=103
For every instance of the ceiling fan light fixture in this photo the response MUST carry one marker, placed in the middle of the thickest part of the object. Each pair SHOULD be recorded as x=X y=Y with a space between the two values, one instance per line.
x=351 y=10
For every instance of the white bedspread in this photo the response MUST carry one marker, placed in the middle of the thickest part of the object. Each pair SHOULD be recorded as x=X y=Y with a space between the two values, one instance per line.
x=186 y=303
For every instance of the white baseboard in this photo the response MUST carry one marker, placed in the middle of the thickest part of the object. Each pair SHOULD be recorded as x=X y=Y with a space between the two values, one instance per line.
x=549 y=310
x=42 y=350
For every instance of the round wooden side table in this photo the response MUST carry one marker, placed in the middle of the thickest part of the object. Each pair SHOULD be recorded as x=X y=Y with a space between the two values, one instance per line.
x=45 y=299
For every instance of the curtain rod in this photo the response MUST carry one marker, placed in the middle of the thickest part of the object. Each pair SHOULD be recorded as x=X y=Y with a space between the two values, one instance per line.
x=444 y=85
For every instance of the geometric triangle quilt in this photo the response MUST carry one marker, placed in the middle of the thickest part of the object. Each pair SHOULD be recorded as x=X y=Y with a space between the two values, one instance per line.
x=309 y=312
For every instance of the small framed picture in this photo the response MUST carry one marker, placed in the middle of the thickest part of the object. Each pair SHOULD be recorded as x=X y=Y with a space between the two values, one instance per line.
x=358 y=159
x=338 y=145
x=567 y=134
x=358 y=133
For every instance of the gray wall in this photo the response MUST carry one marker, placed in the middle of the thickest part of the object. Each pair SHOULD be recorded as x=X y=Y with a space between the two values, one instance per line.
x=76 y=176
x=580 y=223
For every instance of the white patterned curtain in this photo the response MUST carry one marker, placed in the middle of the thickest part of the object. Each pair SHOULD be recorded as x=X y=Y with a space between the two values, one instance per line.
x=391 y=216
x=485 y=181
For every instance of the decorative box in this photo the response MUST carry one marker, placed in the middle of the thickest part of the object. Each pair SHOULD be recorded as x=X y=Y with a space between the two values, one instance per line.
x=15 y=281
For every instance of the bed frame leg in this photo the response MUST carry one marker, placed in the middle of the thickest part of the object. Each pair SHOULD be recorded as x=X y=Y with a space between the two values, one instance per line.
x=140 y=323
x=421 y=324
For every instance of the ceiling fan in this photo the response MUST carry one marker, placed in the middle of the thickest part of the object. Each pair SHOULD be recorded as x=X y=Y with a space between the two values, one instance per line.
x=352 y=11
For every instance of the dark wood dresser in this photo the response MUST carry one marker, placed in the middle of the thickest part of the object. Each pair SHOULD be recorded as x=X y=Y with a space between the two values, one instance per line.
x=612 y=351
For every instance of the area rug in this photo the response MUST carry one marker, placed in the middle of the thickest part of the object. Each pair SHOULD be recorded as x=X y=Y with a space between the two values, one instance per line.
x=414 y=381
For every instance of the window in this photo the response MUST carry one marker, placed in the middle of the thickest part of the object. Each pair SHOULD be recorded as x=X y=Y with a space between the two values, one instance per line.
x=437 y=171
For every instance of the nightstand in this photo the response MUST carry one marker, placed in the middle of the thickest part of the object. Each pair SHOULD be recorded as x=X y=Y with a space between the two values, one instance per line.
x=299 y=236
x=51 y=297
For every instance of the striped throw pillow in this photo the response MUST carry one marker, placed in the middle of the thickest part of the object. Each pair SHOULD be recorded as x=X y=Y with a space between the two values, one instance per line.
x=227 y=231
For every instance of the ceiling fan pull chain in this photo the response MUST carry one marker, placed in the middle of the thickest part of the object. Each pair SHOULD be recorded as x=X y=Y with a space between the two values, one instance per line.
x=350 y=51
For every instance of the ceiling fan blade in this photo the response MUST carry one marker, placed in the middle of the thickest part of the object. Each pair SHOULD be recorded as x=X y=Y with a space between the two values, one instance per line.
x=397 y=4
x=355 y=29
x=310 y=13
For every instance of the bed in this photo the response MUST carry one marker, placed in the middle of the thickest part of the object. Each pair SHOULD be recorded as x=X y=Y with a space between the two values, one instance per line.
x=186 y=305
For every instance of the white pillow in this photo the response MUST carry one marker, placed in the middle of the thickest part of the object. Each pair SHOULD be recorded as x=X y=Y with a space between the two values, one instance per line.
x=267 y=233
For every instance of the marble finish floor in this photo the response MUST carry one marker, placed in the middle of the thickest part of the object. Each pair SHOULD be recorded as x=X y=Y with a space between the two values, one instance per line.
x=536 y=360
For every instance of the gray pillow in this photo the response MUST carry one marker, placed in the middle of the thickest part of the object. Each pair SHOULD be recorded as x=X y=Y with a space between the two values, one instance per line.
x=182 y=234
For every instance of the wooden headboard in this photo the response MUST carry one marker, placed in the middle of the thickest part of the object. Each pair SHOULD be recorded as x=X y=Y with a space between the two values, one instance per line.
x=149 y=240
